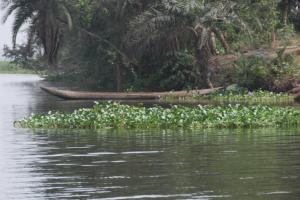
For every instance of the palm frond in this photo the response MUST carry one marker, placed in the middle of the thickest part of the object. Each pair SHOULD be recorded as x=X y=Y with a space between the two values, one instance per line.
x=68 y=16
x=21 y=17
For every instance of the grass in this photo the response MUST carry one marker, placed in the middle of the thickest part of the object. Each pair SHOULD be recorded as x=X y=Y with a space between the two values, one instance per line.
x=263 y=97
x=115 y=115
x=249 y=98
x=8 y=68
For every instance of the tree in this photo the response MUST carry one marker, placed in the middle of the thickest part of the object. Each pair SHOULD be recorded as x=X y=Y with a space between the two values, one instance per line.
x=44 y=19
x=178 y=24
x=19 y=56
x=290 y=11
x=101 y=27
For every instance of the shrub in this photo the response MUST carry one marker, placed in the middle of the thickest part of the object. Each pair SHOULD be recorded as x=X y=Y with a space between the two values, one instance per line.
x=256 y=72
x=171 y=72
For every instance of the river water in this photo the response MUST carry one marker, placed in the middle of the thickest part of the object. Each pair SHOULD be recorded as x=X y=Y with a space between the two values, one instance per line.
x=113 y=165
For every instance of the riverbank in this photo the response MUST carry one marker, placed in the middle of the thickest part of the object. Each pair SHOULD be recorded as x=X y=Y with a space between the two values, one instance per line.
x=216 y=96
x=115 y=115
x=258 y=97
x=9 y=68
x=34 y=162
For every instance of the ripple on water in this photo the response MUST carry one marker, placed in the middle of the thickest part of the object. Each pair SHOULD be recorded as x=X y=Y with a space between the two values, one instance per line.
x=161 y=164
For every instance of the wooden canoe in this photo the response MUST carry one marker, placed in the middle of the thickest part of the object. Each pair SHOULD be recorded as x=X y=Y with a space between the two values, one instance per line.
x=296 y=93
x=297 y=97
x=295 y=90
x=83 y=95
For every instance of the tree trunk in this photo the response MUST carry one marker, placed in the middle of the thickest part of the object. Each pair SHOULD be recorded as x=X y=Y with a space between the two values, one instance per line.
x=222 y=39
x=285 y=11
x=119 y=73
x=273 y=37
x=52 y=64
x=203 y=54
x=213 y=45
x=50 y=36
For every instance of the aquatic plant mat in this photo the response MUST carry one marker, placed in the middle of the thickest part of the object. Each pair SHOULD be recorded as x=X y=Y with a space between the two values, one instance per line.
x=115 y=115
x=252 y=98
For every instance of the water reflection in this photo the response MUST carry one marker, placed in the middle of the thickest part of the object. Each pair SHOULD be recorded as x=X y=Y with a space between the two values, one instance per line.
x=157 y=164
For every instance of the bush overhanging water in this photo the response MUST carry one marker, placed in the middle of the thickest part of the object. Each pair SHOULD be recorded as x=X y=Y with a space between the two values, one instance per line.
x=115 y=115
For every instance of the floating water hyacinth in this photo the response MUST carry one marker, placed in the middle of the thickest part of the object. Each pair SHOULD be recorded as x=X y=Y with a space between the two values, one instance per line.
x=115 y=115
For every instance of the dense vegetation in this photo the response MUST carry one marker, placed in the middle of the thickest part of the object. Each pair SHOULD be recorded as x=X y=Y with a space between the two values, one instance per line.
x=156 y=44
x=9 y=68
x=256 y=97
x=241 y=95
x=114 y=115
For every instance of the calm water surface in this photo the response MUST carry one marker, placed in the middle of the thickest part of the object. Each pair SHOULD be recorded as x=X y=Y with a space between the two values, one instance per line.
x=113 y=165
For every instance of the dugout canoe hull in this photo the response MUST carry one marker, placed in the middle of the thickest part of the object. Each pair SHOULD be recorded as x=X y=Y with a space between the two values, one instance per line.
x=83 y=95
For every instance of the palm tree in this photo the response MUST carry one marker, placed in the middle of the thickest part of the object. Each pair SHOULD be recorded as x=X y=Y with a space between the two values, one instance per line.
x=44 y=23
x=171 y=25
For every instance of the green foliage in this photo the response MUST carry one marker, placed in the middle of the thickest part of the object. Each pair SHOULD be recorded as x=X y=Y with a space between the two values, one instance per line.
x=9 y=68
x=286 y=33
x=283 y=64
x=84 y=9
x=233 y=89
x=234 y=94
x=252 y=73
x=46 y=21
x=20 y=57
x=178 y=72
x=258 y=72
x=263 y=21
x=262 y=18
x=242 y=95
x=115 y=115
x=174 y=72
x=152 y=44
